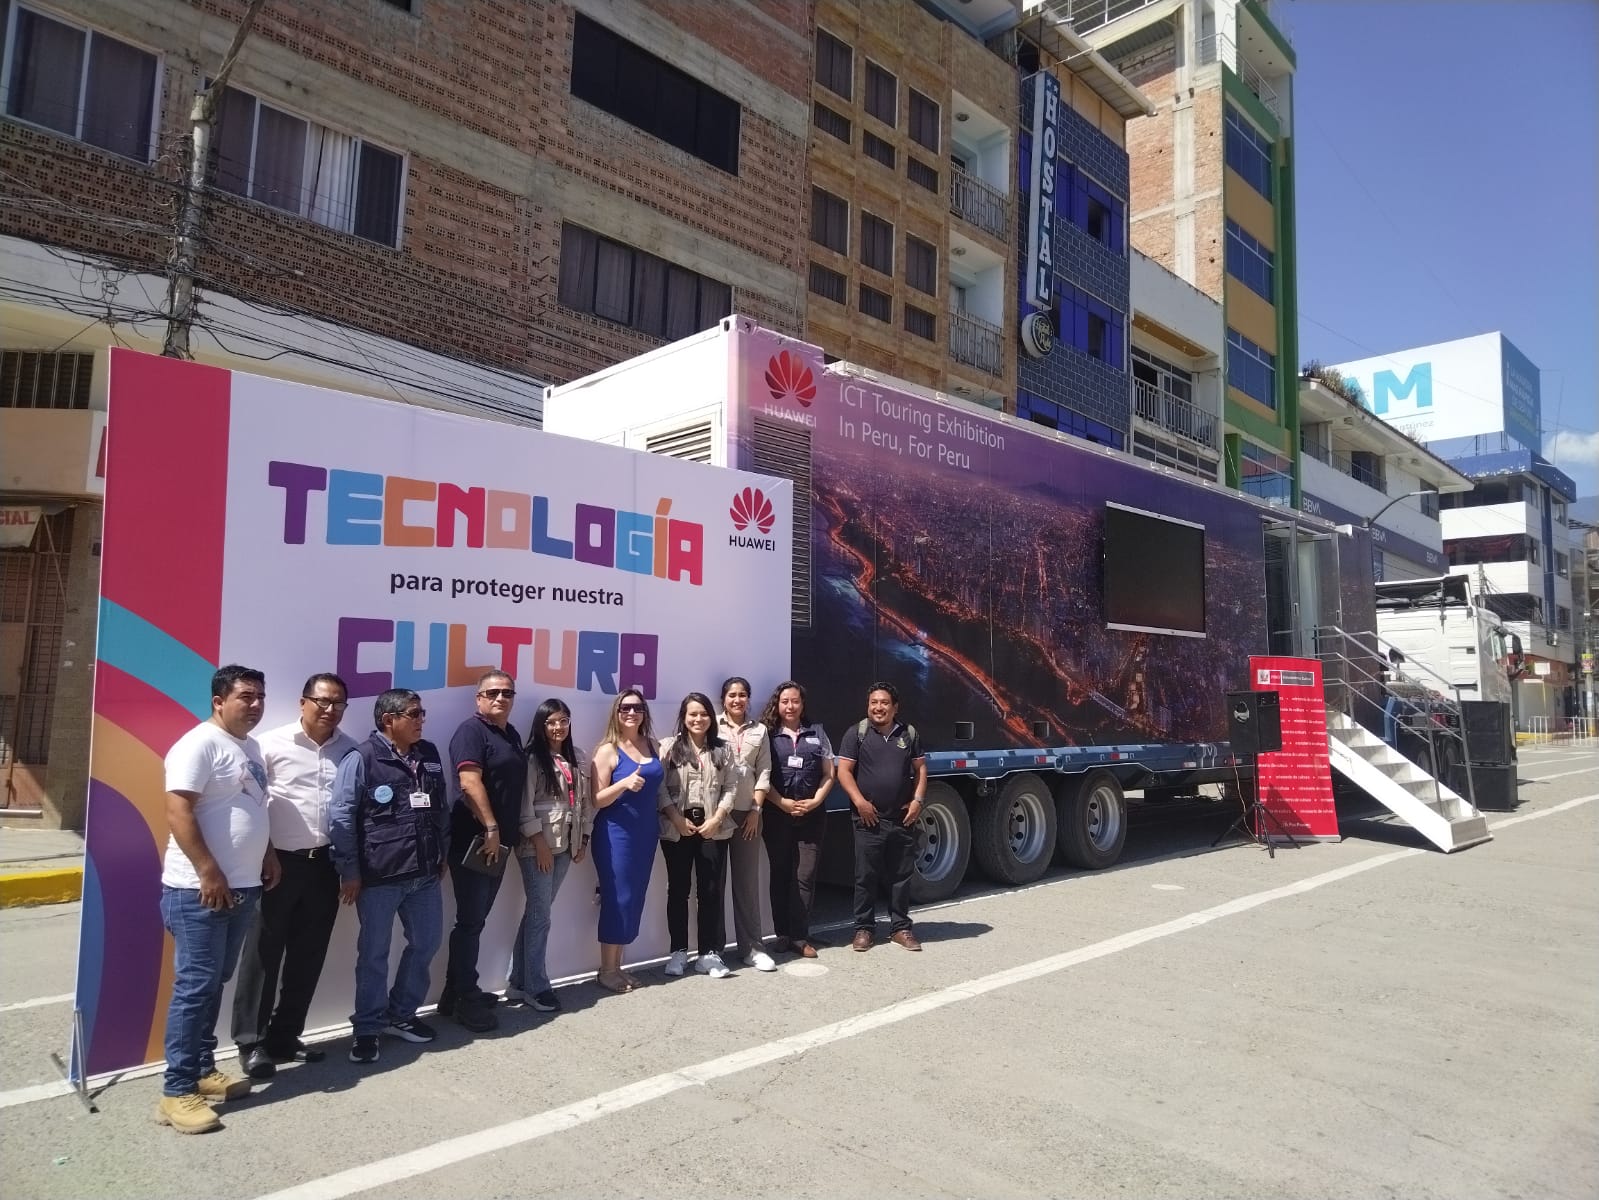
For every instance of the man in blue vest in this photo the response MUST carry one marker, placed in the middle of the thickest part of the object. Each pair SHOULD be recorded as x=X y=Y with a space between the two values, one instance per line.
x=390 y=828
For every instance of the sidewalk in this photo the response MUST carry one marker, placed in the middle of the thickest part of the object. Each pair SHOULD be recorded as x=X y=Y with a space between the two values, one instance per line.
x=40 y=866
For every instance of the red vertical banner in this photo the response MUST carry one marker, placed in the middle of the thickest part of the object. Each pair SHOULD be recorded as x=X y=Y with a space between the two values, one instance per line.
x=1295 y=784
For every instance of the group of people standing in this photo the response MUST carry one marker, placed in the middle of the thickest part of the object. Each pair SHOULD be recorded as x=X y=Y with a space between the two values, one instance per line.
x=269 y=837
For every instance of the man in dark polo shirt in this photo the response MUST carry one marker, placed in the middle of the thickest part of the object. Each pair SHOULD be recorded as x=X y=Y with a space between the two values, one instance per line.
x=883 y=772
x=490 y=770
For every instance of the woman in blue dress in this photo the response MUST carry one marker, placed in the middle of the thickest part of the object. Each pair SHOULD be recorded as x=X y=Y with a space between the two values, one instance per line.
x=627 y=775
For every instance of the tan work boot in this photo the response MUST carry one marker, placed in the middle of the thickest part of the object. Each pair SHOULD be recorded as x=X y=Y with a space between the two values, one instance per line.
x=217 y=1087
x=187 y=1114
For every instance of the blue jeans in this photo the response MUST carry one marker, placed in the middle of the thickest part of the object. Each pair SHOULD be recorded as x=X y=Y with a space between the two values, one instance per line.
x=420 y=907
x=528 y=970
x=475 y=893
x=205 y=944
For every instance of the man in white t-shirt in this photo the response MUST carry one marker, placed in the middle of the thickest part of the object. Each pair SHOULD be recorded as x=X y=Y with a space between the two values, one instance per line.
x=218 y=860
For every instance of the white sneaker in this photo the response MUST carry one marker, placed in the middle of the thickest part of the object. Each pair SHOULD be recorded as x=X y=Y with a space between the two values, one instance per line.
x=711 y=964
x=678 y=963
x=761 y=960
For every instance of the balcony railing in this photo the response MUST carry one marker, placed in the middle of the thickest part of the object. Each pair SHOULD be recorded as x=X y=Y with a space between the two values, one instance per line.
x=1256 y=82
x=1086 y=15
x=979 y=202
x=1173 y=414
x=1371 y=476
x=976 y=343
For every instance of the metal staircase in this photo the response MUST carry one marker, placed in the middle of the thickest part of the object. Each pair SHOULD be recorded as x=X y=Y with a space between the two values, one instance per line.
x=1354 y=683
x=1445 y=819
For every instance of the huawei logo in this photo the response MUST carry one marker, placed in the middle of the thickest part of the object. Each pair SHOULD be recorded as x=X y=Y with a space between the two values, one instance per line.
x=751 y=507
x=788 y=378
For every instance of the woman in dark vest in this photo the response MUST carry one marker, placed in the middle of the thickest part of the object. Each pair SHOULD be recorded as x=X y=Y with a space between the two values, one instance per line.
x=802 y=775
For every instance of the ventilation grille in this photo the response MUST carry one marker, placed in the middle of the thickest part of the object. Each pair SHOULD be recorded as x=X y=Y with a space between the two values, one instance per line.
x=784 y=450
x=36 y=379
x=690 y=442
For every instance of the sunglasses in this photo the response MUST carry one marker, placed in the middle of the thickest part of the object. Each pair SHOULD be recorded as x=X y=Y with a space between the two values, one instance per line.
x=497 y=693
x=325 y=704
x=629 y=708
x=413 y=714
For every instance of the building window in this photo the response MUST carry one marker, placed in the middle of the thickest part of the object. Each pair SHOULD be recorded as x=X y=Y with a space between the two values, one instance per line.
x=835 y=65
x=877 y=244
x=39 y=379
x=1558 y=510
x=1095 y=211
x=1429 y=501
x=1092 y=326
x=81 y=83
x=1248 y=151
x=1057 y=416
x=1249 y=262
x=332 y=178
x=924 y=121
x=831 y=122
x=921 y=323
x=830 y=285
x=882 y=94
x=920 y=173
x=649 y=93
x=876 y=148
x=636 y=289
x=1562 y=564
x=1251 y=370
x=877 y=304
x=829 y=220
x=1264 y=474
x=1493 y=548
x=921 y=265
x=1534 y=552
x=1562 y=618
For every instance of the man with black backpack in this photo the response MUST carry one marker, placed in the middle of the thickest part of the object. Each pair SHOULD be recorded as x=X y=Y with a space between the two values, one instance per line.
x=883 y=772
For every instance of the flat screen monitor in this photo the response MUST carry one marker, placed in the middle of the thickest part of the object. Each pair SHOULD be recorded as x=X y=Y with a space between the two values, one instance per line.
x=1154 y=572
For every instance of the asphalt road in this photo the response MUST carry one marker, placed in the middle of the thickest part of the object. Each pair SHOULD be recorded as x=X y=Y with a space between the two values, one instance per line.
x=1361 y=1019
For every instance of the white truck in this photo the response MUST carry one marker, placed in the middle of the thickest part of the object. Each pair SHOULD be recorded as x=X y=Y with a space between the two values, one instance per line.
x=1453 y=644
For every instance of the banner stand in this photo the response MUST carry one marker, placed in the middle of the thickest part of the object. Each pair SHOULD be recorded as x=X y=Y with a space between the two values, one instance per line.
x=76 y=1056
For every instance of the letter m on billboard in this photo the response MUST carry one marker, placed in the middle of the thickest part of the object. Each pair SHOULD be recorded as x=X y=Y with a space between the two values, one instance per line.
x=1416 y=388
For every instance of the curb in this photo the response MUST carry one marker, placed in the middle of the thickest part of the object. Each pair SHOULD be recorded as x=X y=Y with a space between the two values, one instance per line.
x=58 y=886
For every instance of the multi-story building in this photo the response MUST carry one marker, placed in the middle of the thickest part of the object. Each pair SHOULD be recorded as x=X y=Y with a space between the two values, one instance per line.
x=447 y=203
x=912 y=206
x=1074 y=286
x=1211 y=195
x=1357 y=469
x=1585 y=613
x=1476 y=402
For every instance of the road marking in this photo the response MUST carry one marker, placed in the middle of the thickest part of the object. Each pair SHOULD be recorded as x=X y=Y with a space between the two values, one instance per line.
x=1562 y=775
x=1167 y=887
x=39 y=1091
x=36 y=1002
x=426 y=1159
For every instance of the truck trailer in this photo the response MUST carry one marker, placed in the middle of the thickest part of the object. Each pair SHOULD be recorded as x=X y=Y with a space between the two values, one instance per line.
x=1063 y=621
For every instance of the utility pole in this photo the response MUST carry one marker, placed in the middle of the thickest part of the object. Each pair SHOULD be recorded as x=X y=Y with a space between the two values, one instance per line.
x=186 y=241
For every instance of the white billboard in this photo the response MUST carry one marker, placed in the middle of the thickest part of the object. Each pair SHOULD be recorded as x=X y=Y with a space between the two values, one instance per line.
x=1477 y=385
x=300 y=530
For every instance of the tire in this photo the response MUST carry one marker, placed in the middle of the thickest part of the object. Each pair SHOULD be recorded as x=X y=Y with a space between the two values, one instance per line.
x=1013 y=834
x=1092 y=820
x=943 y=845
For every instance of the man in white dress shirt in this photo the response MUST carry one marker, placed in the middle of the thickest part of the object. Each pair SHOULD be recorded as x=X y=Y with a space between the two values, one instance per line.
x=290 y=937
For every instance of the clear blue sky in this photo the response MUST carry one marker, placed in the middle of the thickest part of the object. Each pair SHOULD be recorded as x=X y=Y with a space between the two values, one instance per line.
x=1447 y=187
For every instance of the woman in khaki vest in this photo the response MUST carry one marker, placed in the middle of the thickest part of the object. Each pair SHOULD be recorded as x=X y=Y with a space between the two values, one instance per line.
x=696 y=818
x=557 y=820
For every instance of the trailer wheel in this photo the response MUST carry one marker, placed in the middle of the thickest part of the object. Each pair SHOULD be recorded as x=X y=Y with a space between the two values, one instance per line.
x=1013 y=835
x=943 y=845
x=1093 y=820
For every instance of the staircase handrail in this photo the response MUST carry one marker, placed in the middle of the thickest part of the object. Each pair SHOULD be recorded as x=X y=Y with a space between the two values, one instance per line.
x=1454 y=730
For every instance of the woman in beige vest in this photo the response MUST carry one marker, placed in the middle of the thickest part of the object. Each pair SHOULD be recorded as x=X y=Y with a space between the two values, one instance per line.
x=557 y=820
x=696 y=819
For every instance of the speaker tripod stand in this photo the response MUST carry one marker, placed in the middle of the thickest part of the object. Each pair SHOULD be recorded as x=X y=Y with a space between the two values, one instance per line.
x=1254 y=818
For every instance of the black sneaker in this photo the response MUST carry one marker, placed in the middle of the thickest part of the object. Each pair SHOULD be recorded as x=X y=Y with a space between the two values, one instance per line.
x=364 y=1049
x=477 y=1017
x=545 y=1002
x=411 y=1031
